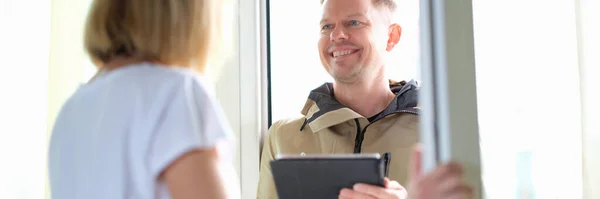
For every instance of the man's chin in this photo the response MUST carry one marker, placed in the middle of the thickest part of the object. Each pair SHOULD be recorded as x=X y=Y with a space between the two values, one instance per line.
x=344 y=68
x=345 y=77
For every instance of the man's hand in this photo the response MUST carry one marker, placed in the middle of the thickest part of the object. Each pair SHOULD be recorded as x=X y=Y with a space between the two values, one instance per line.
x=444 y=182
x=392 y=190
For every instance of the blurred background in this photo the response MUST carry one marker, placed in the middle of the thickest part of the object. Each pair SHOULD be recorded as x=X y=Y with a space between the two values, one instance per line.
x=537 y=68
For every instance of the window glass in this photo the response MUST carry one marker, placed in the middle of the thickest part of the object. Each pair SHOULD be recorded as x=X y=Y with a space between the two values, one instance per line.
x=527 y=85
x=528 y=98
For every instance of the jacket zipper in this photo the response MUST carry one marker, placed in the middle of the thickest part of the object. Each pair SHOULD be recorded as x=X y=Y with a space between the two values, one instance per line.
x=360 y=134
x=359 y=137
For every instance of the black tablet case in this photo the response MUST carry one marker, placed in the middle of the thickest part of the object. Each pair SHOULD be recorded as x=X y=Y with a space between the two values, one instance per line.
x=324 y=178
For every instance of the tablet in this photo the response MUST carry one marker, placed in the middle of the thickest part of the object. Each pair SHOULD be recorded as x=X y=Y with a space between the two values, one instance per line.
x=322 y=176
x=328 y=156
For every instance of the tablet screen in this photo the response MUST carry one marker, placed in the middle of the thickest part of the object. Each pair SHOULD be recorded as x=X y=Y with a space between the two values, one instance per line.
x=324 y=175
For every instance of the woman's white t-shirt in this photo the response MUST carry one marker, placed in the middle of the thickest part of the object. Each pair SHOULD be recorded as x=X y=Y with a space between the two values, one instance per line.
x=116 y=134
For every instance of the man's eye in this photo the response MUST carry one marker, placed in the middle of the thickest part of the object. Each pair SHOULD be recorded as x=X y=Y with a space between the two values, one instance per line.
x=354 y=23
x=326 y=27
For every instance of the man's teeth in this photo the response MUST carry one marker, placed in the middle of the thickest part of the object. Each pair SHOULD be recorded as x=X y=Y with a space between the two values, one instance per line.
x=343 y=52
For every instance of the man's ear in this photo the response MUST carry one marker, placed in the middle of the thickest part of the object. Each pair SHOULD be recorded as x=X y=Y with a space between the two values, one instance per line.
x=394 y=33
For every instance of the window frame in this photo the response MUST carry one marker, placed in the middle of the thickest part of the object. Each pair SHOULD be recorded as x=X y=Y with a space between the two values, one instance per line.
x=587 y=26
x=449 y=122
x=244 y=94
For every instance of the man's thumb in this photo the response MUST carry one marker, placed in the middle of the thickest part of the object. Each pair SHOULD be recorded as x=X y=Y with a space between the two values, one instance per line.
x=416 y=168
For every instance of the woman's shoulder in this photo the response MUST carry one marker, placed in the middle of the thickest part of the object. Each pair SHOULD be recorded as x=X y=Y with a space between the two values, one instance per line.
x=149 y=77
x=145 y=86
x=152 y=72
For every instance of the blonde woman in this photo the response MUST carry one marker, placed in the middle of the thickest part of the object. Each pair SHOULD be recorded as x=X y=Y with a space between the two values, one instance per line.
x=146 y=126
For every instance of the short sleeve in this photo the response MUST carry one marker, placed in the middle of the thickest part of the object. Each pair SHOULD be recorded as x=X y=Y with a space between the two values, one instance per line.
x=190 y=119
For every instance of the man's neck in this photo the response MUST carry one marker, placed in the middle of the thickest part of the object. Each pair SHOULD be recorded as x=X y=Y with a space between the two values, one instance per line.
x=365 y=98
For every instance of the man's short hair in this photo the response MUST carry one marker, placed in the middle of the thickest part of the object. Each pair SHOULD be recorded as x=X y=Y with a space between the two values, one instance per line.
x=174 y=32
x=389 y=4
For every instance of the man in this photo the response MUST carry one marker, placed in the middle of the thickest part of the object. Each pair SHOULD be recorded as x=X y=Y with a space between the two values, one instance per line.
x=361 y=111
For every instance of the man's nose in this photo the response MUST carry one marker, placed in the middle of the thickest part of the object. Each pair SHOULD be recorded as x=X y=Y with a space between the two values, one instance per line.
x=339 y=33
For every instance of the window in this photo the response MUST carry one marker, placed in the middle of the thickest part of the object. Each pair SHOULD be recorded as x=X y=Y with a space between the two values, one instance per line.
x=528 y=98
x=527 y=86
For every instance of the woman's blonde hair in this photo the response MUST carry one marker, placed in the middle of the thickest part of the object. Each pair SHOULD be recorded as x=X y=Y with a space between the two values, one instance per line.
x=191 y=33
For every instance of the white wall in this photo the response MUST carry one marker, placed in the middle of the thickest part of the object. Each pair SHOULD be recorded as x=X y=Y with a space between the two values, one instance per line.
x=24 y=47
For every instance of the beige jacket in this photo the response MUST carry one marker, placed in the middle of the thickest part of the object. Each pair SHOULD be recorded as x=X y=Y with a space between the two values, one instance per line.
x=328 y=127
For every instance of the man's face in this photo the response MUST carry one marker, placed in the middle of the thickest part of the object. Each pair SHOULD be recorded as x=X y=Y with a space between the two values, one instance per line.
x=354 y=37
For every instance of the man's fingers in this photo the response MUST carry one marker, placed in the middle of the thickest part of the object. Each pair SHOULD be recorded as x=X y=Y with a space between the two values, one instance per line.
x=450 y=184
x=343 y=197
x=390 y=184
x=370 y=190
x=454 y=167
x=446 y=181
x=462 y=190
x=416 y=168
x=450 y=181
x=467 y=194
x=449 y=170
x=376 y=191
x=349 y=193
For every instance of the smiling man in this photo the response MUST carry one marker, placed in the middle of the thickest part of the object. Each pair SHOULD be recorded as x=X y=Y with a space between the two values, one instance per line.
x=361 y=111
